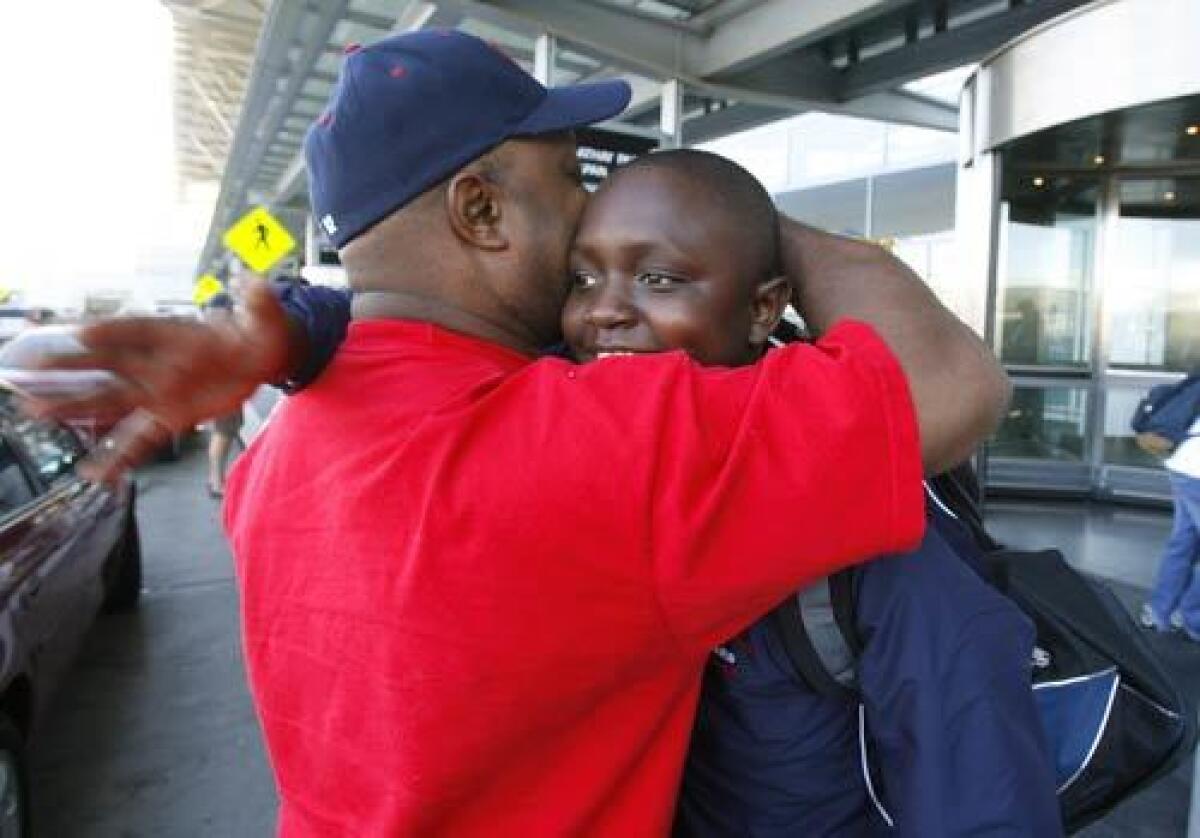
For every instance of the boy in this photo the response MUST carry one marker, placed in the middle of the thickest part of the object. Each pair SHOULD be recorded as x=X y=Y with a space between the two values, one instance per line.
x=947 y=712
x=677 y=252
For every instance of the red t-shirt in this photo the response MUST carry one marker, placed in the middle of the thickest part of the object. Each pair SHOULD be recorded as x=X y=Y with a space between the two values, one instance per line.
x=478 y=591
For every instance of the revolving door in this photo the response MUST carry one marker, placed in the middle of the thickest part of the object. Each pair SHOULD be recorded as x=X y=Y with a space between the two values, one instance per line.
x=1084 y=222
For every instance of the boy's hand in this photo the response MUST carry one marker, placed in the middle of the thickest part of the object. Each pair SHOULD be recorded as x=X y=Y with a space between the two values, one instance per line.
x=169 y=375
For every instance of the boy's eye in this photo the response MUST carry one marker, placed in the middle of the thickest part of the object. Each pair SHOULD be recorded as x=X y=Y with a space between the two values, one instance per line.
x=582 y=280
x=660 y=281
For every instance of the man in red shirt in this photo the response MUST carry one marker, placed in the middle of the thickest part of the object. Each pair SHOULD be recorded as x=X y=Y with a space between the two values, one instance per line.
x=479 y=589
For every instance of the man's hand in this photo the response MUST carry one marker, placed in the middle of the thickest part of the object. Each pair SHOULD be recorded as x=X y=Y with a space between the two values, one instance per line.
x=169 y=376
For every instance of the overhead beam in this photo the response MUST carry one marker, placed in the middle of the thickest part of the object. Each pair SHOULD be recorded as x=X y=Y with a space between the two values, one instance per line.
x=649 y=47
x=208 y=156
x=795 y=75
x=901 y=108
x=730 y=120
x=662 y=50
x=281 y=106
x=373 y=21
x=778 y=26
x=215 y=111
x=291 y=182
x=946 y=50
x=784 y=84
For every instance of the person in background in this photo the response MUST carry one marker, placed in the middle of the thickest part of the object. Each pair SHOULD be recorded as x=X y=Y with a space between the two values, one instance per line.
x=222 y=431
x=1175 y=601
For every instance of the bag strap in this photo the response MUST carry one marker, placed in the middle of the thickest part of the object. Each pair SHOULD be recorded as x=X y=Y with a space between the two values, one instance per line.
x=956 y=492
x=817 y=626
x=844 y=602
x=811 y=631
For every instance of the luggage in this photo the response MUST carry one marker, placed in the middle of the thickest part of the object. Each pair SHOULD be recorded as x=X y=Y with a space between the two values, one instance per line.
x=1114 y=719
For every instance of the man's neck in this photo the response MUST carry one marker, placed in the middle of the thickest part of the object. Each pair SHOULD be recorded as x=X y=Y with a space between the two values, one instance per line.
x=402 y=305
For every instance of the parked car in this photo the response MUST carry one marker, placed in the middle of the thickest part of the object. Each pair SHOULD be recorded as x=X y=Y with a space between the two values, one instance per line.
x=68 y=549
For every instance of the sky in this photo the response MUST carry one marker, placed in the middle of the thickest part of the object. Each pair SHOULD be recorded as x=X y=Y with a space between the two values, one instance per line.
x=90 y=197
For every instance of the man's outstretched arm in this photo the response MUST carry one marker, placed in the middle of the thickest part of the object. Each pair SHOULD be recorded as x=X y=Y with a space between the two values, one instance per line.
x=958 y=388
x=173 y=374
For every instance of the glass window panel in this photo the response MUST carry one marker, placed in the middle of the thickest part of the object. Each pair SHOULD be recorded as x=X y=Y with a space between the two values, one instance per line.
x=827 y=147
x=1153 y=294
x=913 y=203
x=907 y=146
x=52 y=449
x=762 y=151
x=15 y=490
x=935 y=259
x=1045 y=273
x=837 y=207
x=1043 y=424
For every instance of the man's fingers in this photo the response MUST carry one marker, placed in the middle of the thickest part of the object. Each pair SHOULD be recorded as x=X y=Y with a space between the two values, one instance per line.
x=264 y=325
x=134 y=440
x=105 y=404
x=145 y=334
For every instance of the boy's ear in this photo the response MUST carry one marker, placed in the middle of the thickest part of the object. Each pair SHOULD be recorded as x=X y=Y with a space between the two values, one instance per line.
x=766 y=308
x=474 y=209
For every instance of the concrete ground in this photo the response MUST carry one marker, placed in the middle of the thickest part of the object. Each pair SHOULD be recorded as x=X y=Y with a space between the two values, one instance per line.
x=153 y=733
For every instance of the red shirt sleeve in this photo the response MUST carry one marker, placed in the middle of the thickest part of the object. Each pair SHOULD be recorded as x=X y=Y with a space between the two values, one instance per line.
x=821 y=469
x=737 y=486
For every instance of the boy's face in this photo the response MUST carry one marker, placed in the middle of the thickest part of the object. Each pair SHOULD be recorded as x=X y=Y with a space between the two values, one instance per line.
x=656 y=268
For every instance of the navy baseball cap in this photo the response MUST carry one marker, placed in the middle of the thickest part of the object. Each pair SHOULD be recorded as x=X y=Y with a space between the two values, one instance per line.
x=413 y=109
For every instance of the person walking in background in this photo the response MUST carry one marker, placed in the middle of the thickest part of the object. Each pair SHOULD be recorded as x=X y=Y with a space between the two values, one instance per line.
x=223 y=430
x=1175 y=601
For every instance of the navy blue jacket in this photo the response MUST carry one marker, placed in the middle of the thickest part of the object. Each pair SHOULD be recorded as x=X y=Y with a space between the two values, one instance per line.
x=947 y=708
x=947 y=716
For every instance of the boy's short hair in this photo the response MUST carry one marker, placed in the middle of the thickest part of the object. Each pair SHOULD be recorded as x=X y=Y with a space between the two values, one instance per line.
x=736 y=193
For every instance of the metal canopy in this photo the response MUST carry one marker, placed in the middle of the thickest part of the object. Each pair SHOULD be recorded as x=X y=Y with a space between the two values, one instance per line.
x=214 y=53
x=250 y=79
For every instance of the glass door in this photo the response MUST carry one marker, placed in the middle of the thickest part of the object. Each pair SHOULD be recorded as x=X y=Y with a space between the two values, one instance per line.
x=1151 y=316
x=1044 y=331
x=1094 y=294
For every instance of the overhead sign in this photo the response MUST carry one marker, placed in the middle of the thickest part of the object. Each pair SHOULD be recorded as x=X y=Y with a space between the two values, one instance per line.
x=259 y=240
x=206 y=287
x=600 y=151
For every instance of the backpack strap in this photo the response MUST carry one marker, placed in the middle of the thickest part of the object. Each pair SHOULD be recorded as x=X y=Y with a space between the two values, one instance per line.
x=812 y=635
x=957 y=493
x=843 y=599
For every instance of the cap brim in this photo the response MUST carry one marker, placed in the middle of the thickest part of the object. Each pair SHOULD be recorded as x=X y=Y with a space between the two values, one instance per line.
x=576 y=106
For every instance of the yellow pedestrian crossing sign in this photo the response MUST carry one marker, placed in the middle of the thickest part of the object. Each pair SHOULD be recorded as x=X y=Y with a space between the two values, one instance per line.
x=206 y=287
x=259 y=240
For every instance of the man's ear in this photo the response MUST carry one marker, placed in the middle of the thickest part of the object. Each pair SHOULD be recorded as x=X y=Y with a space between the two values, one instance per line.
x=767 y=307
x=473 y=206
